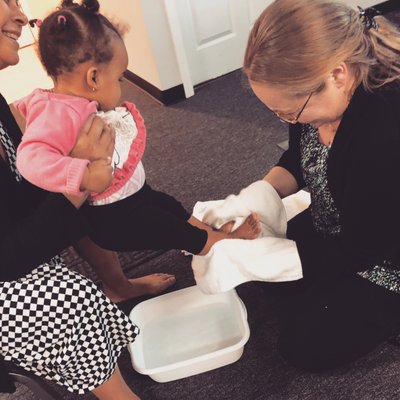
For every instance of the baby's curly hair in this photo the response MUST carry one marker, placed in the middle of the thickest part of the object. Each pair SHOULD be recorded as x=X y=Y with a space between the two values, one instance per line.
x=73 y=34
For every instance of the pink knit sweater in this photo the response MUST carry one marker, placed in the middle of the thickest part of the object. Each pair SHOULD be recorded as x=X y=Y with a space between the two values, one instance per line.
x=52 y=125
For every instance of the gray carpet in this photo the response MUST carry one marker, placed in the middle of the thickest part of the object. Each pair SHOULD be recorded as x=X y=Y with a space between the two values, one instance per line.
x=207 y=147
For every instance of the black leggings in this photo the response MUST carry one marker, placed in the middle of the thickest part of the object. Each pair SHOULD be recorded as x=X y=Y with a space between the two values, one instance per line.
x=147 y=220
x=328 y=323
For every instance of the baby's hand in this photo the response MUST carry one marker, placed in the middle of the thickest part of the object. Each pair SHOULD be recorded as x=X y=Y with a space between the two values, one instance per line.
x=98 y=176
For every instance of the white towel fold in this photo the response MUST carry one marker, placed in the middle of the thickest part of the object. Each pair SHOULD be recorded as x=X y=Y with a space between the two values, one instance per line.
x=259 y=197
x=271 y=257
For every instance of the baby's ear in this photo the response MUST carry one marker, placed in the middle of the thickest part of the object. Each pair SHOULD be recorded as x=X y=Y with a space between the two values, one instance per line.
x=92 y=78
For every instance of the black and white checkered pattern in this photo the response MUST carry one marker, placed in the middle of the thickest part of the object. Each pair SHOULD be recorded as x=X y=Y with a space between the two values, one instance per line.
x=10 y=151
x=57 y=324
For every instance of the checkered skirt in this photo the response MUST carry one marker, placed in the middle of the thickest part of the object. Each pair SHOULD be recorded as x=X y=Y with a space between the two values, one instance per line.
x=57 y=324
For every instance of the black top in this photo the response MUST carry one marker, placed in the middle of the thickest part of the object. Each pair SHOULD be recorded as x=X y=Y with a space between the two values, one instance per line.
x=35 y=225
x=364 y=180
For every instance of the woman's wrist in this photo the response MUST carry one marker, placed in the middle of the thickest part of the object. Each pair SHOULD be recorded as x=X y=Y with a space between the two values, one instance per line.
x=85 y=178
x=282 y=181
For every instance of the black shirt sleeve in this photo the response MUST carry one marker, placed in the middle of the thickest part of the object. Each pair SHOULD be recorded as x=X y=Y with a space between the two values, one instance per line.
x=34 y=225
x=290 y=159
x=27 y=242
x=370 y=220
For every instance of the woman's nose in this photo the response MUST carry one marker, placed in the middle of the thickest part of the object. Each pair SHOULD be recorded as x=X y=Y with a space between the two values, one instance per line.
x=19 y=17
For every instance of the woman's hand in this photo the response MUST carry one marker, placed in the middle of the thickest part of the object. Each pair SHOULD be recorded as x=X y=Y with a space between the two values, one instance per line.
x=95 y=141
x=98 y=176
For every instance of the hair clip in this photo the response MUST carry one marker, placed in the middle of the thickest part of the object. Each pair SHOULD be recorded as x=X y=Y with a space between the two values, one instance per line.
x=62 y=20
x=368 y=17
x=33 y=22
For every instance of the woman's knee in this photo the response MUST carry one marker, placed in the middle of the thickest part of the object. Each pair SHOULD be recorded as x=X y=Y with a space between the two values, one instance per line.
x=308 y=349
x=296 y=352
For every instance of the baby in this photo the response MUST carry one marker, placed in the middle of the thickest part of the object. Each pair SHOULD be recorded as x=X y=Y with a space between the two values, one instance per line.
x=86 y=58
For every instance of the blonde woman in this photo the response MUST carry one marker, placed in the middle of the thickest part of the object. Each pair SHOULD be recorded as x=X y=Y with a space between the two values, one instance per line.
x=332 y=73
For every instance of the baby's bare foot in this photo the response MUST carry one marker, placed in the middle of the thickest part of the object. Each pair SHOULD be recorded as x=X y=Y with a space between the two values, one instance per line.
x=250 y=228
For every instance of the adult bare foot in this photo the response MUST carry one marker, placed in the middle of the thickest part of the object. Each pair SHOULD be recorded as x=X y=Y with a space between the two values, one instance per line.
x=146 y=285
x=250 y=228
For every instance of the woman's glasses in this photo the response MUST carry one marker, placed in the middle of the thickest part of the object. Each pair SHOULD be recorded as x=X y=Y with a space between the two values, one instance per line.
x=292 y=120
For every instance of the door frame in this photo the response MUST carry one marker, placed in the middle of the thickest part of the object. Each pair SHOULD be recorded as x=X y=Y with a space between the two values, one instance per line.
x=180 y=52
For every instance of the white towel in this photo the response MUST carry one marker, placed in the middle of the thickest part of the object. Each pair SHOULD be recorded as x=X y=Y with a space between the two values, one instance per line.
x=271 y=257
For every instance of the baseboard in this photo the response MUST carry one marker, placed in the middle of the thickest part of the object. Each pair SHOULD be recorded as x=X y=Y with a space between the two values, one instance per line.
x=166 y=97
x=387 y=6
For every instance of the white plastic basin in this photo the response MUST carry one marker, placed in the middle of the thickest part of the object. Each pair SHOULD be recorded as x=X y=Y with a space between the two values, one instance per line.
x=186 y=332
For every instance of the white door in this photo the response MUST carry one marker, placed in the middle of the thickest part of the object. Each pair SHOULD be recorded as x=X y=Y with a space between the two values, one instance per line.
x=214 y=34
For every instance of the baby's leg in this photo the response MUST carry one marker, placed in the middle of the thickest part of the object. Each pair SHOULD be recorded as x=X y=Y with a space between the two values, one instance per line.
x=168 y=203
x=153 y=220
x=249 y=229
x=120 y=227
x=115 y=284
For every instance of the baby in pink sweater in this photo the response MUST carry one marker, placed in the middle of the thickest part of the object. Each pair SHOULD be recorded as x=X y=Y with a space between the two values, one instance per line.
x=86 y=57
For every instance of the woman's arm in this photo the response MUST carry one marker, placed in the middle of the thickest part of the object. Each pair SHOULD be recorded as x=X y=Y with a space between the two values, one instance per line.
x=287 y=177
x=27 y=241
x=19 y=118
x=366 y=191
x=282 y=181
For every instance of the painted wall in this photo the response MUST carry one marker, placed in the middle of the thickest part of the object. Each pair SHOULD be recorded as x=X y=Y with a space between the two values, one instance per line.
x=149 y=43
x=39 y=9
x=161 y=42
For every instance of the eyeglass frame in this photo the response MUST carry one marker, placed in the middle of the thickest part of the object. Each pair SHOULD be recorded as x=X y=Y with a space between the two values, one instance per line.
x=296 y=118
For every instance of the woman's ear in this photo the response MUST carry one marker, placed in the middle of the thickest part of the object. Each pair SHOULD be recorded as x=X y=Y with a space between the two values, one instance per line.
x=92 y=77
x=340 y=75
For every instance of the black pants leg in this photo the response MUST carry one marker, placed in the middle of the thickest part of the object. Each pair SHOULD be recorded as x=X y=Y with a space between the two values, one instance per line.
x=332 y=320
x=331 y=325
x=147 y=220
